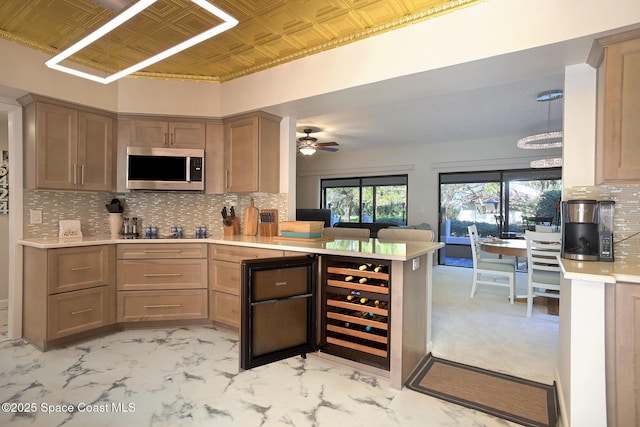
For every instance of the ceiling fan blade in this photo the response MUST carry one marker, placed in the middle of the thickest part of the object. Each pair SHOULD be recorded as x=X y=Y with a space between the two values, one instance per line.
x=327 y=144
x=327 y=149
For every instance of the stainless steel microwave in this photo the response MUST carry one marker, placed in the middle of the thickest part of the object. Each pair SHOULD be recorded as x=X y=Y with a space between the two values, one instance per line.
x=151 y=168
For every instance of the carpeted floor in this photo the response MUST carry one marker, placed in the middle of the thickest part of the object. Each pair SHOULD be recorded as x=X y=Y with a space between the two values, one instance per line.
x=488 y=332
x=525 y=402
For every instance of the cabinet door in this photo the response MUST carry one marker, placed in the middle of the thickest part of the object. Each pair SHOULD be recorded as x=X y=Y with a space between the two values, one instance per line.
x=78 y=268
x=241 y=155
x=56 y=146
x=73 y=312
x=149 y=133
x=186 y=135
x=623 y=354
x=619 y=150
x=95 y=152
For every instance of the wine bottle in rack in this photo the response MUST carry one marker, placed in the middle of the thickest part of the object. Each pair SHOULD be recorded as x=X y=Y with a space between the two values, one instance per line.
x=364 y=300
x=365 y=267
x=380 y=304
x=348 y=279
x=378 y=268
x=363 y=280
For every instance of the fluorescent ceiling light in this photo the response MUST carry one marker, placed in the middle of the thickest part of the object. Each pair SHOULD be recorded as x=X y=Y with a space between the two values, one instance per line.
x=228 y=22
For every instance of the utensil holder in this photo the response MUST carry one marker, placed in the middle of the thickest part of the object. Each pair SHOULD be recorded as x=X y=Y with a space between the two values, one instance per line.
x=115 y=224
x=233 y=228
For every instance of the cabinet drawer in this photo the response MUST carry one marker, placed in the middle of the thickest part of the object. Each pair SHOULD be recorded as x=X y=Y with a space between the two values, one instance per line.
x=162 y=250
x=78 y=311
x=77 y=268
x=225 y=308
x=239 y=253
x=224 y=276
x=161 y=274
x=137 y=306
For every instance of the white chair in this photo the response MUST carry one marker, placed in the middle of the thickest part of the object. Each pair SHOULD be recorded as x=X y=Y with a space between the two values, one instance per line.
x=493 y=267
x=346 y=232
x=543 y=250
x=405 y=234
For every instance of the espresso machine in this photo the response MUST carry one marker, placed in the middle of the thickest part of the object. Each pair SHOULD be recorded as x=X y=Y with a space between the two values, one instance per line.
x=587 y=230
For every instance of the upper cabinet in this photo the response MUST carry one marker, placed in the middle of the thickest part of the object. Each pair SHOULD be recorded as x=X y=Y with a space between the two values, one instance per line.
x=67 y=147
x=617 y=59
x=168 y=134
x=252 y=153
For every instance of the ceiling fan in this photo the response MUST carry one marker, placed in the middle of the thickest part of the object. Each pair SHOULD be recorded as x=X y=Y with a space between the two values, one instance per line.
x=307 y=145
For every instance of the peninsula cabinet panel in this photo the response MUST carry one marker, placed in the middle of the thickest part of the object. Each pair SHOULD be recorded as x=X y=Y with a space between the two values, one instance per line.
x=252 y=153
x=617 y=142
x=67 y=147
x=225 y=309
x=623 y=354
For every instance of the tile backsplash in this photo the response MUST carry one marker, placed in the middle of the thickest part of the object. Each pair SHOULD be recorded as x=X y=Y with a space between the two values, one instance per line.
x=626 y=216
x=162 y=209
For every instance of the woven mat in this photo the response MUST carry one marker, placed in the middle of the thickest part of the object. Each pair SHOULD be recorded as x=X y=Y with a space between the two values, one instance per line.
x=514 y=399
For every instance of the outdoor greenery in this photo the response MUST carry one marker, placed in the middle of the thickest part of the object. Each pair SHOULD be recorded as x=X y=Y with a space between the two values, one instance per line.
x=389 y=203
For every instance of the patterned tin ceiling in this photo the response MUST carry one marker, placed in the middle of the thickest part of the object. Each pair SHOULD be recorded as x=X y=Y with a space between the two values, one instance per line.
x=270 y=32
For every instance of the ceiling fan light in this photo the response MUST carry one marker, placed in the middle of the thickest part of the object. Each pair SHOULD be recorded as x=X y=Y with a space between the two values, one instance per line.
x=307 y=151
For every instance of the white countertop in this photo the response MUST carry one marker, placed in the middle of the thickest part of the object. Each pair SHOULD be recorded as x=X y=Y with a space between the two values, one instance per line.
x=368 y=248
x=595 y=271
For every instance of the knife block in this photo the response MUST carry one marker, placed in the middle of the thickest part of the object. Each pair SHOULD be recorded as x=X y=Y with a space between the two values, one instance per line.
x=233 y=229
x=269 y=228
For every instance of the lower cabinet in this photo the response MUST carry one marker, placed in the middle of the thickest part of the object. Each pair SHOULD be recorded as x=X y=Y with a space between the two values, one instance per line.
x=225 y=277
x=623 y=354
x=67 y=291
x=162 y=282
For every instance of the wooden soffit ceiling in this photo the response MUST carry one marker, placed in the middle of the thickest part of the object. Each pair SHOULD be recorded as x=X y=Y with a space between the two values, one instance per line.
x=269 y=33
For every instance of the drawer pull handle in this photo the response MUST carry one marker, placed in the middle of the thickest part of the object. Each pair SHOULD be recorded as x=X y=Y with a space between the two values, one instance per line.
x=88 y=267
x=163 y=306
x=86 y=310
x=162 y=274
x=281 y=283
x=163 y=251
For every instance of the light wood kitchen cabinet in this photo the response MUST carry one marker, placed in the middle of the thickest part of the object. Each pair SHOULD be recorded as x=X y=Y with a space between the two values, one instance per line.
x=167 y=133
x=68 y=147
x=617 y=59
x=623 y=354
x=252 y=153
x=162 y=282
x=68 y=293
x=225 y=279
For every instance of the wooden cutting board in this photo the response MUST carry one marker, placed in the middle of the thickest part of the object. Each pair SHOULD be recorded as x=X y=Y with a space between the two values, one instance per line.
x=250 y=220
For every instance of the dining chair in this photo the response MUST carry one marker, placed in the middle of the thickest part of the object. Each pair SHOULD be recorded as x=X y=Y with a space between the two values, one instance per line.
x=405 y=234
x=495 y=268
x=543 y=250
x=346 y=232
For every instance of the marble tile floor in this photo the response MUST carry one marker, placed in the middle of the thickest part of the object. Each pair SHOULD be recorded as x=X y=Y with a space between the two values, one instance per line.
x=189 y=376
x=4 y=323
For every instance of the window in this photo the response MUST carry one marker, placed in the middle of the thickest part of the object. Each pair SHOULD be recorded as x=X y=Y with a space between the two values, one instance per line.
x=367 y=199
x=500 y=203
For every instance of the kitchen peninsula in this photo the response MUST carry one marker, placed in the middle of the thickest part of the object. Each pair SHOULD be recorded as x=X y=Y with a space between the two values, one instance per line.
x=58 y=308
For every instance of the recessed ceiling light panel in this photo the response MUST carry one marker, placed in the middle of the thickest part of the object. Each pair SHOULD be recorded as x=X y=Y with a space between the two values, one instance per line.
x=54 y=63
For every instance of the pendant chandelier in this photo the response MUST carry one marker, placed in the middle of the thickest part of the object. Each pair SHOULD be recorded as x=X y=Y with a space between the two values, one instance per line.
x=546 y=140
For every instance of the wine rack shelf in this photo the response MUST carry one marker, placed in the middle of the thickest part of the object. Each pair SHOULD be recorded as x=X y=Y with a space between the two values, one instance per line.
x=356 y=304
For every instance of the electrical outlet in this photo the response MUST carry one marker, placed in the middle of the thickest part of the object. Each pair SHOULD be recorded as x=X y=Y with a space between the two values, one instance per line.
x=35 y=216
x=416 y=264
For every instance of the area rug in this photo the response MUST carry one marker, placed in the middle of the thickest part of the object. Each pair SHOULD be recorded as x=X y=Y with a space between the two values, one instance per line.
x=513 y=399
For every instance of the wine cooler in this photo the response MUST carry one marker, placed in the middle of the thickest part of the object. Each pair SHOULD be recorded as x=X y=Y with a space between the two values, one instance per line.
x=355 y=309
x=283 y=309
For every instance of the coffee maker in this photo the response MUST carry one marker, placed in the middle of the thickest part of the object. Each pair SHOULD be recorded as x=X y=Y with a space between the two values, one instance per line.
x=587 y=230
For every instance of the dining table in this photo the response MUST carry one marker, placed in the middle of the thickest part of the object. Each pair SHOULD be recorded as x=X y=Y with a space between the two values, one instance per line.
x=507 y=247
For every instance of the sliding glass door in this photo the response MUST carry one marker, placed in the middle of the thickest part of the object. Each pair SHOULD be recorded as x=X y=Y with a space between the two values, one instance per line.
x=500 y=203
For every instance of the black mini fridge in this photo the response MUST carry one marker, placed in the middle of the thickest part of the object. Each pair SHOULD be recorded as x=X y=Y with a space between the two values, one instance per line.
x=278 y=309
